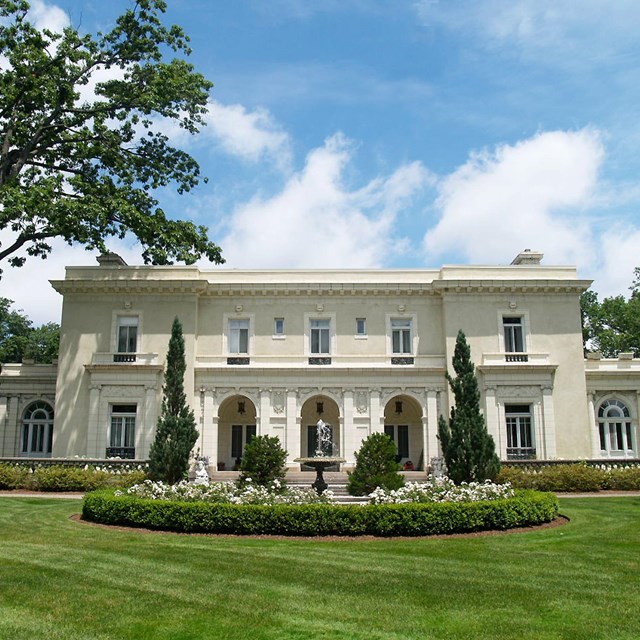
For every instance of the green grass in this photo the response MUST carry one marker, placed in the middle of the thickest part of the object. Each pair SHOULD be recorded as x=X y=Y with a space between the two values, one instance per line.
x=69 y=580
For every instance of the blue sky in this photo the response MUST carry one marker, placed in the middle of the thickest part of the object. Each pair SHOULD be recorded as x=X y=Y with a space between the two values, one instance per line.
x=401 y=133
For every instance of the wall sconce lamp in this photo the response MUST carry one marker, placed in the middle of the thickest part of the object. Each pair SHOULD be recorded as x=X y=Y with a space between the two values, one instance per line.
x=398 y=406
x=319 y=408
x=241 y=408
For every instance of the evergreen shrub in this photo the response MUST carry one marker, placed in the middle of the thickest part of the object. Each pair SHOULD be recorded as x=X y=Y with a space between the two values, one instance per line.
x=263 y=461
x=376 y=466
x=527 y=508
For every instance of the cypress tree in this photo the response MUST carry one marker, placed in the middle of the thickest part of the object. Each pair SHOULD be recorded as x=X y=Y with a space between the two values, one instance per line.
x=468 y=449
x=176 y=431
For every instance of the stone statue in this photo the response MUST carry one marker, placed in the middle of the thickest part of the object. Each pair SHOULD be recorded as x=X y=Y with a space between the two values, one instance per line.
x=202 y=476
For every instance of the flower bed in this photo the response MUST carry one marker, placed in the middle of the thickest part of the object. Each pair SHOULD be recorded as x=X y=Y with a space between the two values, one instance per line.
x=526 y=508
x=227 y=493
x=442 y=489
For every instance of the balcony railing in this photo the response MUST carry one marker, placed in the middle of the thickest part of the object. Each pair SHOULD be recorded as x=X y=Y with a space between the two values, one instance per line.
x=110 y=357
x=516 y=357
x=124 y=453
x=521 y=453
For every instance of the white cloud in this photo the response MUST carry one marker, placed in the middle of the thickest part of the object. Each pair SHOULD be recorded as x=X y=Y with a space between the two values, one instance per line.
x=542 y=28
x=48 y=16
x=29 y=287
x=317 y=221
x=527 y=195
x=251 y=135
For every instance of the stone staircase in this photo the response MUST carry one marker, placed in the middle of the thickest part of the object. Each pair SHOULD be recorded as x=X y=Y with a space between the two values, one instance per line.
x=337 y=481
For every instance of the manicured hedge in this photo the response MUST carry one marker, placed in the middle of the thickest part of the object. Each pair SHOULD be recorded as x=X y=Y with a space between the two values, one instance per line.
x=63 y=478
x=526 y=509
x=571 y=478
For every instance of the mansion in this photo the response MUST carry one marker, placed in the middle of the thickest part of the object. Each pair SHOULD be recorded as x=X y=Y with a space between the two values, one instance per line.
x=271 y=352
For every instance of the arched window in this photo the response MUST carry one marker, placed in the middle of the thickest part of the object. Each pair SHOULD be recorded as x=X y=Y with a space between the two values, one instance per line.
x=37 y=430
x=614 y=422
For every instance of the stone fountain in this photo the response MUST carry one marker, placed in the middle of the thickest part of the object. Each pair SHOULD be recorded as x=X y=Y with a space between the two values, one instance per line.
x=323 y=457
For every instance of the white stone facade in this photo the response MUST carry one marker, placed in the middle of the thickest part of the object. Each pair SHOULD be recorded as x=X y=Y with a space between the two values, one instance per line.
x=270 y=352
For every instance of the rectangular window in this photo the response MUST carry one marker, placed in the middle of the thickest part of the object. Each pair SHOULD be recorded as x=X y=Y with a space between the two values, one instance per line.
x=401 y=335
x=278 y=326
x=400 y=435
x=513 y=334
x=519 y=432
x=241 y=435
x=361 y=327
x=239 y=336
x=122 y=436
x=127 y=338
x=319 y=336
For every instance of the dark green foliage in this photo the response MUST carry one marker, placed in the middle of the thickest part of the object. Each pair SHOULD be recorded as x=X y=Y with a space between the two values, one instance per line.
x=572 y=478
x=613 y=325
x=85 y=165
x=467 y=447
x=376 y=466
x=263 y=461
x=176 y=431
x=60 y=478
x=526 y=509
x=19 y=339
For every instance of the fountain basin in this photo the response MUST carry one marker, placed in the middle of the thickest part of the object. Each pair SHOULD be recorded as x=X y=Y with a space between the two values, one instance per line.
x=320 y=463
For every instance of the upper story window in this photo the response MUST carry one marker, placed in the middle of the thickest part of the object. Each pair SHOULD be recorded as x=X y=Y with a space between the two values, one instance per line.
x=278 y=326
x=127 y=334
x=319 y=335
x=361 y=327
x=513 y=328
x=239 y=336
x=401 y=329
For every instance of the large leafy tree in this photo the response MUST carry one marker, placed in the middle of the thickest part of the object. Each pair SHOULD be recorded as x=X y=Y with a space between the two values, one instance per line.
x=468 y=449
x=176 y=432
x=20 y=340
x=613 y=325
x=80 y=158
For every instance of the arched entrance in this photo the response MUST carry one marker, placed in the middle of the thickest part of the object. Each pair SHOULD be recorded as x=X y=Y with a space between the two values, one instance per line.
x=236 y=427
x=316 y=408
x=403 y=424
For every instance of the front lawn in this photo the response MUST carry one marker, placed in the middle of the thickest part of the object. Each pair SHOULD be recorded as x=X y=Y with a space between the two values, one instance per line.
x=70 y=580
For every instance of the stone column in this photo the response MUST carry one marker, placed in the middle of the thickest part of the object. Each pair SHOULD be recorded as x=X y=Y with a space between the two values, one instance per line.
x=12 y=446
x=96 y=437
x=147 y=433
x=4 y=426
x=501 y=443
x=549 y=434
x=594 y=430
x=430 y=427
x=376 y=413
x=348 y=428
x=292 y=431
x=264 y=421
x=209 y=428
x=491 y=414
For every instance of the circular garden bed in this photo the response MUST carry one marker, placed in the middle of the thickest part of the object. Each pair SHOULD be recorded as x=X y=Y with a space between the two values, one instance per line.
x=524 y=509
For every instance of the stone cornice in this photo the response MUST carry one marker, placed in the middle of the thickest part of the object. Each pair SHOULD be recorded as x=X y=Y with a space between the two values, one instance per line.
x=130 y=367
x=151 y=286
x=202 y=288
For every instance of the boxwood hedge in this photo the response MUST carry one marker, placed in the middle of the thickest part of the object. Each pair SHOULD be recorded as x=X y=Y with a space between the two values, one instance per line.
x=527 y=508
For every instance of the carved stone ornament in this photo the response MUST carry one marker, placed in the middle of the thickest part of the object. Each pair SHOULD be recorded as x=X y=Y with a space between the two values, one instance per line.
x=277 y=401
x=123 y=391
x=362 y=402
x=518 y=392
